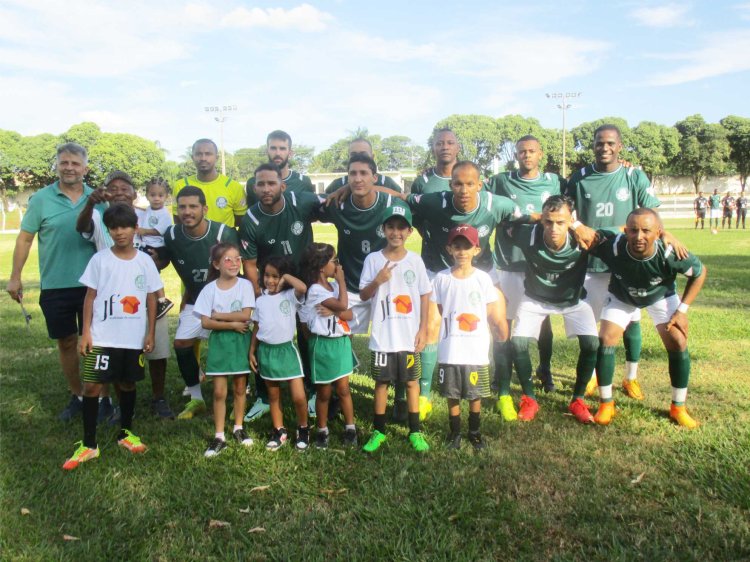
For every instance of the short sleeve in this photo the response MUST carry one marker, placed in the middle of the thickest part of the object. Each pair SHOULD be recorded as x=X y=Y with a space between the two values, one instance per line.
x=165 y=221
x=504 y=208
x=690 y=266
x=644 y=192
x=153 y=280
x=239 y=202
x=248 y=294
x=32 y=220
x=424 y=285
x=248 y=243
x=90 y=277
x=368 y=271
x=436 y=295
x=204 y=303
x=490 y=293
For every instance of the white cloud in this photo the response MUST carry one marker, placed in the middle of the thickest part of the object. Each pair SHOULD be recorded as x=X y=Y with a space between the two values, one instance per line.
x=301 y=18
x=667 y=15
x=722 y=53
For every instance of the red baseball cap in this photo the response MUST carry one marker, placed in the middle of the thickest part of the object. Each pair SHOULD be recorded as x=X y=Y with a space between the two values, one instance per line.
x=465 y=230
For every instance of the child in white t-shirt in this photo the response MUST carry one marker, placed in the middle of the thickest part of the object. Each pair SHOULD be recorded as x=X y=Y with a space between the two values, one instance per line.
x=272 y=351
x=224 y=306
x=118 y=326
x=468 y=305
x=153 y=222
x=395 y=282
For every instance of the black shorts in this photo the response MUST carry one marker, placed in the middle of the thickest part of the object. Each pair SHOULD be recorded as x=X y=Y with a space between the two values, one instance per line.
x=113 y=364
x=727 y=213
x=467 y=382
x=397 y=366
x=63 y=311
x=701 y=213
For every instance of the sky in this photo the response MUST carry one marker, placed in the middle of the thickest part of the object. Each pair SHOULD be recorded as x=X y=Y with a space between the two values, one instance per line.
x=322 y=69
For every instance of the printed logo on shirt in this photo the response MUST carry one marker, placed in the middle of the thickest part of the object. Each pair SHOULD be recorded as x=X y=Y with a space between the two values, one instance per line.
x=236 y=306
x=285 y=308
x=153 y=220
x=656 y=280
x=221 y=202
x=140 y=282
x=475 y=297
x=130 y=305
x=622 y=194
x=379 y=230
x=483 y=231
x=403 y=304
x=297 y=228
x=467 y=322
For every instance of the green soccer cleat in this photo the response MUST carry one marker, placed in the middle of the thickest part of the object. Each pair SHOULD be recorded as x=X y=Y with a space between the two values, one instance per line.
x=192 y=409
x=418 y=442
x=82 y=454
x=376 y=440
x=506 y=408
x=131 y=442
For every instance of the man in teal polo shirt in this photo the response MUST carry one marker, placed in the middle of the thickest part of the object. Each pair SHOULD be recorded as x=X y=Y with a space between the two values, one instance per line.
x=63 y=256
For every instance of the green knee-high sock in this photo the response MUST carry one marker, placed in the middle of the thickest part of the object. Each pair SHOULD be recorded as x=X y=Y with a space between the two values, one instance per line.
x=523 y=364
x=605 y=365
x=545 y=345
x=633 y=342
x=679 y=368
x=586 y=361
x=502 y=352
x=429 y=359
x=188 y=365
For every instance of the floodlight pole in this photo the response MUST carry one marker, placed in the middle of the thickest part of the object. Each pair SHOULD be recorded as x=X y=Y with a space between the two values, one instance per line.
x=221 y=109
x=564 y=105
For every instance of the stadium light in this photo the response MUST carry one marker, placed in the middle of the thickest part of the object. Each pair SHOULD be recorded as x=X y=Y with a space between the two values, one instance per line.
x=219 y=111
x=564 y=105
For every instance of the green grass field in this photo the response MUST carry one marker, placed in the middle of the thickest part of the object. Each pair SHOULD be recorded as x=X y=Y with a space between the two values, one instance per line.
x=552 y=489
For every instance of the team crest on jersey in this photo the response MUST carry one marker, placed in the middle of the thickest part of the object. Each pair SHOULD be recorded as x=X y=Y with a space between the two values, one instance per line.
x=140 y=282
x=221 y=202
x=272 y=241
x=475 y=298
x=655 y=281
x=622 y=194
x=409 y=277
x=446 y=229
x=347 y=232
x=297 y=228
x=285 y=308
x=153 y=220
x=236 y=306
x=483 y=230
x=512 y=195
x=379 y=231
x=530 y=208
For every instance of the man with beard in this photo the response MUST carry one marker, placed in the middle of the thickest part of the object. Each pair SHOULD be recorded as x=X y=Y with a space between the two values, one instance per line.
x=279 y=151
x=225 y=197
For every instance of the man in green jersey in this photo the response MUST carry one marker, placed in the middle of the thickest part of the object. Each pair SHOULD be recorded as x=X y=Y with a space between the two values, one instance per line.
x=529 y=188
x=604 y=193
x=465 y=203
x=188 y=247
x=445 y=148
x=279 y=151
x=714 y=208
x=553 y=284
x=279 y=224
x=358 y=221
x=224 y=196
x=644 y=269
x=362 y=146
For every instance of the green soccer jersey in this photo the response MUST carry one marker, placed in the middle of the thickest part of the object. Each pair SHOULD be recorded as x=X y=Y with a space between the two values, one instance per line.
x=554 y=277
x=295 y=183
x=380 y=181
x=642 y=282
x=287 y=233
x=360 y=231
x=529 y=195
x=714 y=201
x=490 y=211
x=191 y=257
x=430 y=182
x=604 y=200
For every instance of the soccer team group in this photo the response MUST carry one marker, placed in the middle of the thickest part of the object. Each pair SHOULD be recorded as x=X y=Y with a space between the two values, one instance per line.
x=280 y=308
x=722 y=208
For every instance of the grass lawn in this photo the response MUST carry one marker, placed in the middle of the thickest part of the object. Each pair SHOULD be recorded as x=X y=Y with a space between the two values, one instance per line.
x=641 y=488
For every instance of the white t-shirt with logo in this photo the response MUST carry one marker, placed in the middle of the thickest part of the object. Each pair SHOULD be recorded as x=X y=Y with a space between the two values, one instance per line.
x=119 y=318
x=464 y=332
x=158 y=219
x=329 y=326
x=395 y=307
x=212 y=299
x=276 y=316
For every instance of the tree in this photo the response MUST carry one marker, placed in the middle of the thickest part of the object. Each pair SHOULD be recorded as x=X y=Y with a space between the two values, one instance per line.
x=738 y=135
x=513 y=127
x=303 y=157
x=400 y=152
x=655 y=147
x=139 y=157
x=87 y=134
x=704 y=149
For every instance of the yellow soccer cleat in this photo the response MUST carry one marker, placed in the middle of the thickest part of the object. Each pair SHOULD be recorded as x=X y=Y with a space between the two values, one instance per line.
x=506 y=408
x=193 y=408
x=633 y=389
x=425 y=408
x=605 y=413
x=592 y=387
x=681 y=416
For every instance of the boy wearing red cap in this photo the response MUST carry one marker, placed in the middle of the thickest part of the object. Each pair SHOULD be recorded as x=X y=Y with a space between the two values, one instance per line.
x=469 y=307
